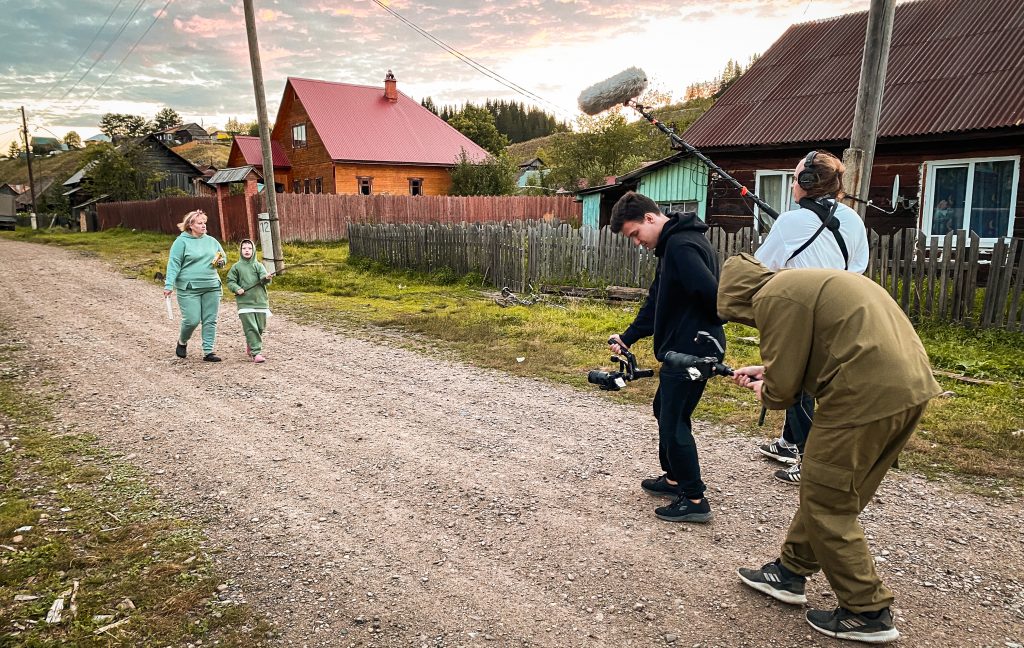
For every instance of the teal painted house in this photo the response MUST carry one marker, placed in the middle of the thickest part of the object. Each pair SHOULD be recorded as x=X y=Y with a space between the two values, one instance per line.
x=678 y=182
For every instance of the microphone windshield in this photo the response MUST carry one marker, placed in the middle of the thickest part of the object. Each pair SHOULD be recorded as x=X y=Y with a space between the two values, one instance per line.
x=616 y=90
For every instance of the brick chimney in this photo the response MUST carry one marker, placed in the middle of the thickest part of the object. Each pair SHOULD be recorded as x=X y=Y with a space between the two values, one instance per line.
x=390 y=87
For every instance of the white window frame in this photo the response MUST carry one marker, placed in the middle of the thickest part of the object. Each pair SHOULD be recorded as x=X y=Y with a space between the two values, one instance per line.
x=928 y=199
x=787 y=190
x=297 y=142
x=680 y=206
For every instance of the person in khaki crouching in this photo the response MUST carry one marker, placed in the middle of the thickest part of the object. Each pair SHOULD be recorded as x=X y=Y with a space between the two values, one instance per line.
x=842 y=339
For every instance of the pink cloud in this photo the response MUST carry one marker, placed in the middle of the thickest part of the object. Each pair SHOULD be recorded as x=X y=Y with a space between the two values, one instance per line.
x=205 y=27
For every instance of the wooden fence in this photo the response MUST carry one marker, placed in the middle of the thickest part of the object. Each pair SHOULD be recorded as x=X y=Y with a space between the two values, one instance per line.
x=160 y=215
x=947 y=279
x=325 y=217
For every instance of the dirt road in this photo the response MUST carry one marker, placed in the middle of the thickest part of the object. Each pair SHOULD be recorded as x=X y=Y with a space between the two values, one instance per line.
x=362 y=494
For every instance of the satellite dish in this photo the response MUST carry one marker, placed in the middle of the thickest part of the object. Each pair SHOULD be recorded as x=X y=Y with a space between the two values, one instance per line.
x=895 y=192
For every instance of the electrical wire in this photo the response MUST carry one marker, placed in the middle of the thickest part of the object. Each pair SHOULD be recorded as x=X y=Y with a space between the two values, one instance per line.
x=127 y=54
x=86 y=50
x=479 y=67
x=105 y=49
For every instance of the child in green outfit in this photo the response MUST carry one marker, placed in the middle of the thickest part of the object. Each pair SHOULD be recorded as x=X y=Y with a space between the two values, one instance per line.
x=248 y=279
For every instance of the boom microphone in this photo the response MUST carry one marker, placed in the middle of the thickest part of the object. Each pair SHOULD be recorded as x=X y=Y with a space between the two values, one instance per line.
x=624 y=88
x=616 y=90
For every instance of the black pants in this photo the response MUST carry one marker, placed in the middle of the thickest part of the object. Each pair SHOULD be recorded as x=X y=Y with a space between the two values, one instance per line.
x=674 y=402
x=798 y=421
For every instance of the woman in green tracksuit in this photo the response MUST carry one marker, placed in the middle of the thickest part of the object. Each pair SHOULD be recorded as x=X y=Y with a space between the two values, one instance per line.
x=248 y=279
x=192 y=271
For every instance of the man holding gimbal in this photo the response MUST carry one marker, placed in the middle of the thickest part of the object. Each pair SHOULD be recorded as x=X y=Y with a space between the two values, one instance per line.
x=841 y=338
x=680 y=303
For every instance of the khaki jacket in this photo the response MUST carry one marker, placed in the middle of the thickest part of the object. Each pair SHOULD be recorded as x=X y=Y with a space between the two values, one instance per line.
x=837 y=335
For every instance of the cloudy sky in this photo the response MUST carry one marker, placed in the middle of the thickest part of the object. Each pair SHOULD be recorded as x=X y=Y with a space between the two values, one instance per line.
x=70 y=61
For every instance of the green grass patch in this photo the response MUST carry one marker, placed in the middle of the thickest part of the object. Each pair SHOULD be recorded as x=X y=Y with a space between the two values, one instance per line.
x=94 y=522
x=977 y=432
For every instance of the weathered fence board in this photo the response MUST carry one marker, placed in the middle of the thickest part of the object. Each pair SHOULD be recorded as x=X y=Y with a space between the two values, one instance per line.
x=926 y=276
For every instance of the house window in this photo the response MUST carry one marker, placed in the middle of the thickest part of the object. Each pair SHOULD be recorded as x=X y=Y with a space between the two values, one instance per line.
x=776 y=189
x=365 y=185
x=978 y=194
x=306 y=185
x=296 y=186
x=680 y=206
x=298 y=135
x=415 y=186
x=318 y=185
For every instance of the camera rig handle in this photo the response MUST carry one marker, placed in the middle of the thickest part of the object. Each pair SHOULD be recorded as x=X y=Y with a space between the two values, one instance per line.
x=697 y=367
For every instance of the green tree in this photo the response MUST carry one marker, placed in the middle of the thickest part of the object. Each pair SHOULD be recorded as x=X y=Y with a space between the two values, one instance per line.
x=478 y=125
x=602 y=146
x=73 y=140
x=428 y=103
x=119 y=126
x=496 y=176
x=13 y=150
x=166 y=118
x=253 y=128
x=121 y=173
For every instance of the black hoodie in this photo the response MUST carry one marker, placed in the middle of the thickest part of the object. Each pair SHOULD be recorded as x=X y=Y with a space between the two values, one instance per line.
x=681 y=300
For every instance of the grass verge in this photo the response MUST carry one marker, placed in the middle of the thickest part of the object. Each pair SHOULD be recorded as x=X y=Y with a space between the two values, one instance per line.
x=80 y=529
x=977 y=432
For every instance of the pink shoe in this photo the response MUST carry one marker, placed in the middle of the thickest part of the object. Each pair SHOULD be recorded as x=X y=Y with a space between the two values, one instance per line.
x=259 y=358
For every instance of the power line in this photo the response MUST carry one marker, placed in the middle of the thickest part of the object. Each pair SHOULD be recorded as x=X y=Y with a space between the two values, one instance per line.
x=125 y=57
x=470 y=62
x=106 y=49
x=87 y=48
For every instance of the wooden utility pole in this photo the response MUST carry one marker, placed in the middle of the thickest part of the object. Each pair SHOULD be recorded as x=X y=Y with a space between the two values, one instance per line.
x=28 y=157
x=268 y=154
x=861 y=154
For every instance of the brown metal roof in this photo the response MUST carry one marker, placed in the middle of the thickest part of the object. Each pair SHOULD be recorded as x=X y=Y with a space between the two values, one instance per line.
x=954 y=66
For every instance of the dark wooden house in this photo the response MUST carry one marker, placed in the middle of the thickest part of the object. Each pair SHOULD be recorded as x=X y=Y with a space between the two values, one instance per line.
x=183 y=133
x=951 y=128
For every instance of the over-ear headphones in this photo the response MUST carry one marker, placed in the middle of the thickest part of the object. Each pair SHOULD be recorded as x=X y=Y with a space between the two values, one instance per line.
x=809 y=176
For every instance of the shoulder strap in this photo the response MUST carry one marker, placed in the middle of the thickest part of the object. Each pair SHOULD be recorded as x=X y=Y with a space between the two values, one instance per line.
x=828 y=219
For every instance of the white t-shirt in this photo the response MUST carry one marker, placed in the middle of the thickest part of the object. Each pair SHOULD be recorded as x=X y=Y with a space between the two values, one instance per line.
x=793 y=228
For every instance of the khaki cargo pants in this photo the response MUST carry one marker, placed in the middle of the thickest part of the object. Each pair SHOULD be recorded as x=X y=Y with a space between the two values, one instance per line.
x=841 y=470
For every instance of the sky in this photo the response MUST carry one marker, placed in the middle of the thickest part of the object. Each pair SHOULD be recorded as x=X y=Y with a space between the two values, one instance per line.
x=70 y=61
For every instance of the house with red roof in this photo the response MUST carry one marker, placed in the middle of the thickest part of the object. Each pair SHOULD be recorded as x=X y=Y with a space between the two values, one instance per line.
x=951 y=133
x=355 y=139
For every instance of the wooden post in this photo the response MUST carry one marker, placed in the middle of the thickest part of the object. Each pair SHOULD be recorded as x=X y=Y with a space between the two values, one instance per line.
x=859 y=157
x=261 y=118
x=28 y=158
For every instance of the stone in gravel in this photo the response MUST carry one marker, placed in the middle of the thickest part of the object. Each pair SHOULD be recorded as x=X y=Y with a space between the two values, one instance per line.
x=671 y=638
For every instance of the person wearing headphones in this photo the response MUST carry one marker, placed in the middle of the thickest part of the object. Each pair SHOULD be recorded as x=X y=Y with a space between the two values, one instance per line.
x=822 y=233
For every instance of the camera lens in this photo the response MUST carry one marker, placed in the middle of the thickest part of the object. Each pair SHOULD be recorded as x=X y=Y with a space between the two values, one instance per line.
x=597 y=377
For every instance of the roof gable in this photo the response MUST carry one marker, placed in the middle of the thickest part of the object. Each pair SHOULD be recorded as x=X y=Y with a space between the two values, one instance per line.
x=357 y=123
x=953 y=66
x=251 y=151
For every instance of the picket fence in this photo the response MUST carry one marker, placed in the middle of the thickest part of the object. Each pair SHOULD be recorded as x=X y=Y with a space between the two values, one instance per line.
x=943 y=278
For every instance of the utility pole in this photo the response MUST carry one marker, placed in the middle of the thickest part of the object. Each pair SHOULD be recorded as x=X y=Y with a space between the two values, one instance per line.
x=28 y=157
x=268 y=155
x=861 y=154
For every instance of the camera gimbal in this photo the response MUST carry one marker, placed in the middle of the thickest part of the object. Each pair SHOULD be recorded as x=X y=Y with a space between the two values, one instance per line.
x=699 y=368
x=616 y=380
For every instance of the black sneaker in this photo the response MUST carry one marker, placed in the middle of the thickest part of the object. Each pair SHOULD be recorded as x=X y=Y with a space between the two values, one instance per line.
x=683 y=510
x=211 y=357
x=659 y=486
x=180 y=350
x=779 y=452
x=789 y=475
x=843 y=624
x=771 y=581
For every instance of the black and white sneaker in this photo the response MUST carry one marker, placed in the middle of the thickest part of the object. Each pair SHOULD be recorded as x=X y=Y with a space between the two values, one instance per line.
x=843 y=624
x=660 y=487
x=790 y=475
x=771 y=581
x=683 y=510
x=779 y=450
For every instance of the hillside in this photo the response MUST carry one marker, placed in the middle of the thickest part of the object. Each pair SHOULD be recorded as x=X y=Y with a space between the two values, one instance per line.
x=59 y=166
x=523 y=151
x=199 y=153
